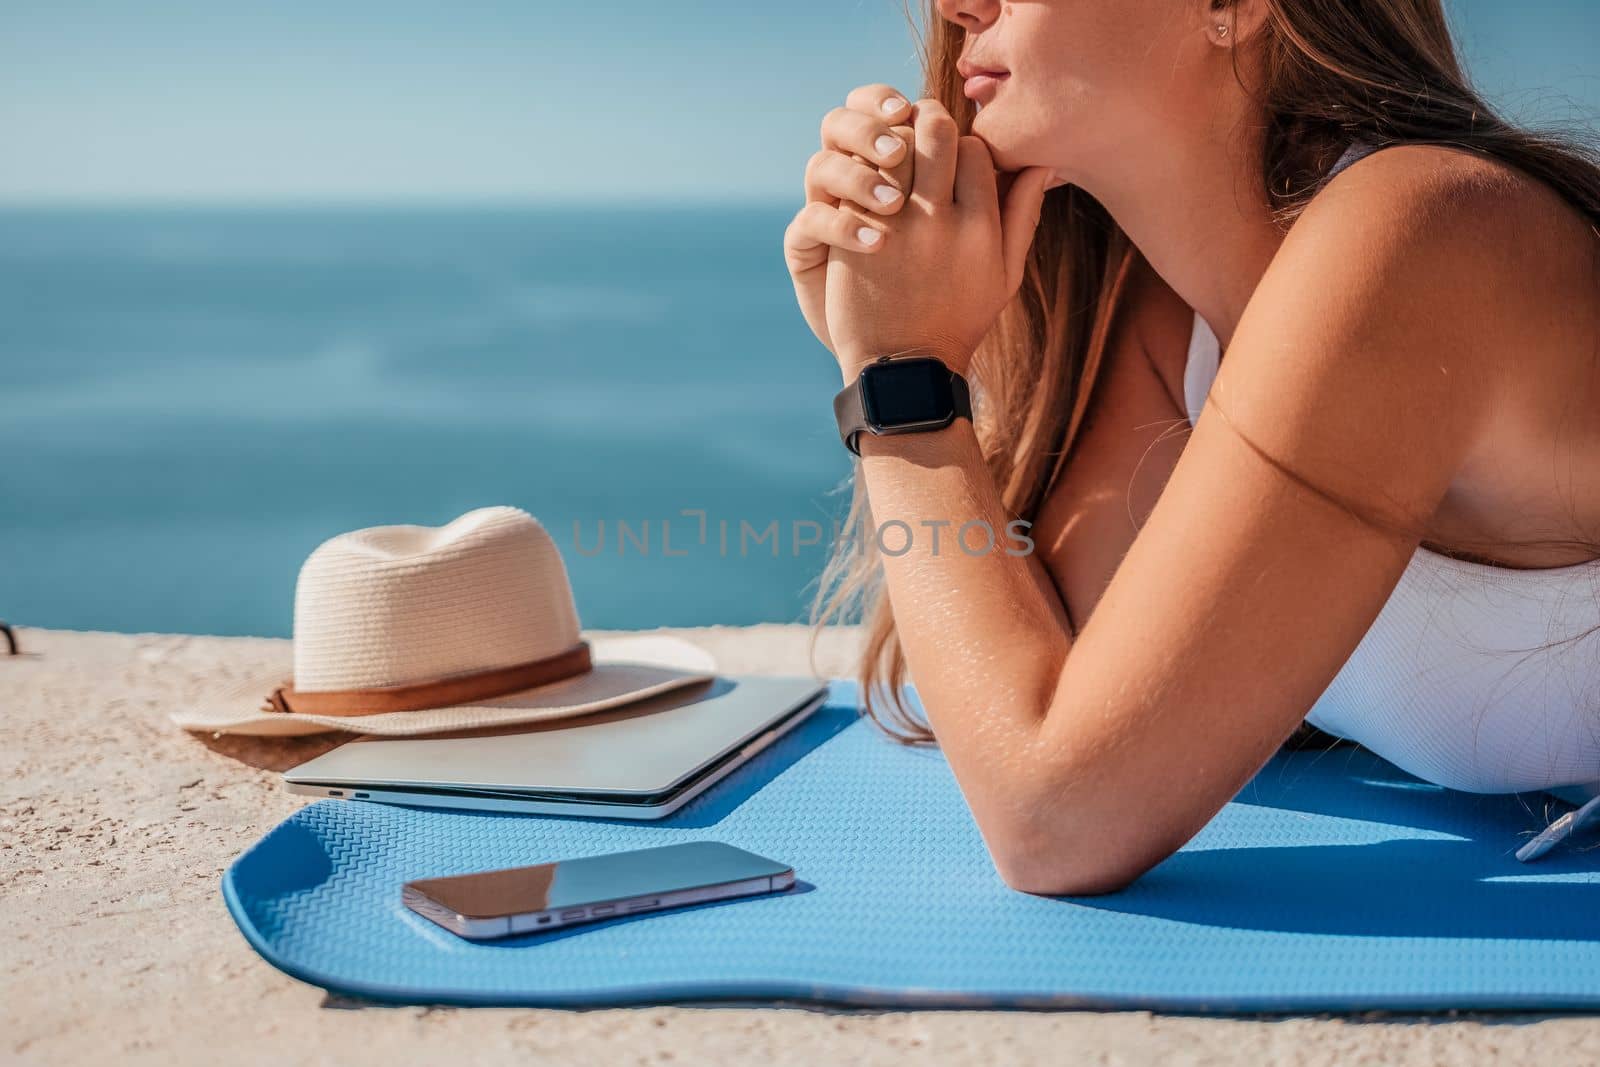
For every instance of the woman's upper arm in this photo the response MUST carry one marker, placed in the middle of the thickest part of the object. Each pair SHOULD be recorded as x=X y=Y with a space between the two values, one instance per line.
x=1131 y=437
x=1247 y=589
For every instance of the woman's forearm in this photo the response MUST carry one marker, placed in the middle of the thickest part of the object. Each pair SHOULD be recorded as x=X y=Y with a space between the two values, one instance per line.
x=984 y=644
x=984 y=636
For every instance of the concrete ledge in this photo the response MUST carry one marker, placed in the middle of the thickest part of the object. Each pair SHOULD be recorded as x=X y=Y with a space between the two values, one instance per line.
x=115 y=827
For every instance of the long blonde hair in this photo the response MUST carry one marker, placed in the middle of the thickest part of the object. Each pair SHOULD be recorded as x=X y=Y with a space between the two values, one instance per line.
x=1335 y=71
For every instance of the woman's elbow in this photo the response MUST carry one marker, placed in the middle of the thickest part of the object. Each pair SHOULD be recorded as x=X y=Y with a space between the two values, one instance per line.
x=1067 y=864
x=1050 y=879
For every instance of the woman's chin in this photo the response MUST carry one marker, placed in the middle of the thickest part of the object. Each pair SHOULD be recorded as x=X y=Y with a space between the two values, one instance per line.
x=1006 y=146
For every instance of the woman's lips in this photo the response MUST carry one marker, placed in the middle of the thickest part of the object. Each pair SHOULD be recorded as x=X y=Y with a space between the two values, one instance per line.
x=981 y=85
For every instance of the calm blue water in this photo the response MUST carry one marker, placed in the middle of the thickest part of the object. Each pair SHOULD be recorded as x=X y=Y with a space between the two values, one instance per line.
x=190 y=401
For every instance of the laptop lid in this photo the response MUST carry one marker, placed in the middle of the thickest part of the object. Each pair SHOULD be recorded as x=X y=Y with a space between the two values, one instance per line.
x=645 y=749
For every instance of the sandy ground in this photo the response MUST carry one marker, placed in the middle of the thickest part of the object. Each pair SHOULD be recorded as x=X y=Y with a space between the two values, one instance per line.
x=115 y=826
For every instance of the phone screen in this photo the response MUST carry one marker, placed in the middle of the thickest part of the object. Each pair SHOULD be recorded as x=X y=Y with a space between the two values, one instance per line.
x=596 y=879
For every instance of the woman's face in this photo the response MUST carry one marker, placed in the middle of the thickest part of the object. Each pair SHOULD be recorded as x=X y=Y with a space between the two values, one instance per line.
x=1061 y=82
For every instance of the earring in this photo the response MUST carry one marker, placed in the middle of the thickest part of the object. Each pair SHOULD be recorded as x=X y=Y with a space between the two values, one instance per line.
x=1222 y=31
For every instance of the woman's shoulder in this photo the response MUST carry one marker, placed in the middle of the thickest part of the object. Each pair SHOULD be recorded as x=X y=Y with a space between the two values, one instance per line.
x=1440 y=166
x=1434 y=233
x=1453 y=203
x=1459 y=291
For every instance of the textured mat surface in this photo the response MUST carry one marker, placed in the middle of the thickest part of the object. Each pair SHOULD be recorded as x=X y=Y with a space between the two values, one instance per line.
x=1332 y=882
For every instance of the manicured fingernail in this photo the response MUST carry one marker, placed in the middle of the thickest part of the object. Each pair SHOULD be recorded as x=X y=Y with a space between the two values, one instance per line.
x=886 y=194
x=868 y=236
x=893 y=104
x=887 y=144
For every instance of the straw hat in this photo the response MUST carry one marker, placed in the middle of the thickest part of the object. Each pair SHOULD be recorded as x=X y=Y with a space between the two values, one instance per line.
x=402 y=630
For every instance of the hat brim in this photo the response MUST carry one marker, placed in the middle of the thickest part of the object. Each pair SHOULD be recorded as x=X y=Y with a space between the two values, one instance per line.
x=626 y=669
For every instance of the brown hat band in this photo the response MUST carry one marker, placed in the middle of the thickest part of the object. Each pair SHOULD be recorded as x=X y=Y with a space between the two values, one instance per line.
x=442 y=693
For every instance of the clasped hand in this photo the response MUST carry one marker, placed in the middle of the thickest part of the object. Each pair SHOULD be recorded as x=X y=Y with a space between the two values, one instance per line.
x=904 y=243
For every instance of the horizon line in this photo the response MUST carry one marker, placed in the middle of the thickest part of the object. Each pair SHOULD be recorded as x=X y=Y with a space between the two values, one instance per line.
x=380 y=202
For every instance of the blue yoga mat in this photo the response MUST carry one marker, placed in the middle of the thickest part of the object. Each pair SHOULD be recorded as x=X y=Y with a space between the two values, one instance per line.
x=1332 y=882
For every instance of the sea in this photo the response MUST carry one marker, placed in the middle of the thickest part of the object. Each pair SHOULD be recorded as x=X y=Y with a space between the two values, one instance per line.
x=192 y=399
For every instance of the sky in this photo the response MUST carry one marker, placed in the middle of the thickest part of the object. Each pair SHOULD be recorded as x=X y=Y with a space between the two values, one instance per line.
x=197 y=101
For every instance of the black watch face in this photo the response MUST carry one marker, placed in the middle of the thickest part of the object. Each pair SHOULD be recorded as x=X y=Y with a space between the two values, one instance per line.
x=907 y=392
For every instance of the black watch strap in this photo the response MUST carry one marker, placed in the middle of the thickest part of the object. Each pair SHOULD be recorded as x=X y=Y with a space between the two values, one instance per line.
x=851 y=416
x=850 y=408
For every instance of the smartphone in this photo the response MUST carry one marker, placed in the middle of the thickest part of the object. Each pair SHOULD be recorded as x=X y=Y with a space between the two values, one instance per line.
x=552 y=896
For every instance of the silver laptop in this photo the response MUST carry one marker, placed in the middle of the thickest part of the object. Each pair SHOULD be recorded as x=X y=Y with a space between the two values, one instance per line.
x=644 y=761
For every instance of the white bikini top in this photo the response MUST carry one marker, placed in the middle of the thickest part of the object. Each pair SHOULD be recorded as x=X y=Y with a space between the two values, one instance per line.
x=1473 y=677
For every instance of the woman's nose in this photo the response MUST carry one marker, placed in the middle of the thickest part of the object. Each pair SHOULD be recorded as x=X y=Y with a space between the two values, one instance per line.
x=971 y=15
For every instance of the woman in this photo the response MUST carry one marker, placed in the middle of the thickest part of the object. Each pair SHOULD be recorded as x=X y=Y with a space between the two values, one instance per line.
x=1384 y=516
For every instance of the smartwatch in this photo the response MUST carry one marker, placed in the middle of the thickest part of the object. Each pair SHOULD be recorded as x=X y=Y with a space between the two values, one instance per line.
x=912 y=394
